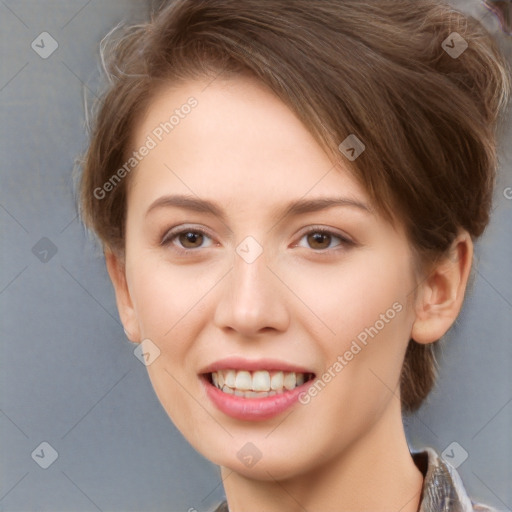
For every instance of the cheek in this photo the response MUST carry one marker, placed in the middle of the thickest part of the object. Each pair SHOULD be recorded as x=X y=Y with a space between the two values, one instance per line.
x=173 y=306
x=348 y=297
x=167 y=296
x=364 y=302
x=169 y=310
x=362 y=305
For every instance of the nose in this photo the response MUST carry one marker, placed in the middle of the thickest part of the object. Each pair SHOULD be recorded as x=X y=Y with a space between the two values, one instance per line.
x=253 y=300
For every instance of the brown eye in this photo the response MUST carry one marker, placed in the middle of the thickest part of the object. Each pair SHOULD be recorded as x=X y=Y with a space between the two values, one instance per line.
x=323 y=240
x=319 y=240
x=186 y=240
x=191 y=239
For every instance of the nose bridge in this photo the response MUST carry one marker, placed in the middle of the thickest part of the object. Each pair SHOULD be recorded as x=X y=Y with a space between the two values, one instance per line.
x=251 y=300
x=250 y=280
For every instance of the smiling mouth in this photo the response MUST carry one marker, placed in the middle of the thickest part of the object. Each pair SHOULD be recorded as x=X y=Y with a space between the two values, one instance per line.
x=256 y=384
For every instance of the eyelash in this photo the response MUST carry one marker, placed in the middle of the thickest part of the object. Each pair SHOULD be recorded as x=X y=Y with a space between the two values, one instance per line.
x=171 y=235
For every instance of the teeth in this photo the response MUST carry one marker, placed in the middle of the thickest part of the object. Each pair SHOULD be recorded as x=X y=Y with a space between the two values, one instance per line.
x=243 y=381
x=276 y=382
x=261 y=381
x=290 y=381
x=258 y=384
x=229 y=377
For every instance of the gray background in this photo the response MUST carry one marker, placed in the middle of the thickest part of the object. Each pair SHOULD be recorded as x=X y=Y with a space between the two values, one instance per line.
x=68 y=374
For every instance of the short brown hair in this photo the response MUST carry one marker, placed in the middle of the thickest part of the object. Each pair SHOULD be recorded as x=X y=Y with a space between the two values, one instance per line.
x=377 y=69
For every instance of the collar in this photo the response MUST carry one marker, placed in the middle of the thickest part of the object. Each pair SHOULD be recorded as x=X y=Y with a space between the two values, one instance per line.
x=443 y=490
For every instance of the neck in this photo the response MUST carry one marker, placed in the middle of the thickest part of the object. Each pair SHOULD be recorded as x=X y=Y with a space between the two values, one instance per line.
x=375 y=473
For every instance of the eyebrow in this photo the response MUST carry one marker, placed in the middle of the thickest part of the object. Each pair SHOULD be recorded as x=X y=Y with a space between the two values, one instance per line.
x=298 y=207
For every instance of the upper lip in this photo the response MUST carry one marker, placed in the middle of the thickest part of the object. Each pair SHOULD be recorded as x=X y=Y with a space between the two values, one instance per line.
x=239 y=363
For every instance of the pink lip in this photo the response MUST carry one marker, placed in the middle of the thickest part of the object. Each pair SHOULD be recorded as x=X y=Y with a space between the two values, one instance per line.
x=239 y=363
x=253 y=409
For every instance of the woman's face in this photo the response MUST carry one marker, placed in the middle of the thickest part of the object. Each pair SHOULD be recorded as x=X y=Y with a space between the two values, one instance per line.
x=249 y=253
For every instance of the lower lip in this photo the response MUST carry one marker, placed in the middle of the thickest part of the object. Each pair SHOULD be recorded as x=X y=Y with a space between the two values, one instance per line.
x=253 y=409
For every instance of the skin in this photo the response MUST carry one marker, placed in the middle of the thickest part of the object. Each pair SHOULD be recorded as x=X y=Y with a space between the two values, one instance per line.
x=243 y=149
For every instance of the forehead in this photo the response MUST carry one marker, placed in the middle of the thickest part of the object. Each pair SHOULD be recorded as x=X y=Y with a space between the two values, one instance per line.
x=234 y=140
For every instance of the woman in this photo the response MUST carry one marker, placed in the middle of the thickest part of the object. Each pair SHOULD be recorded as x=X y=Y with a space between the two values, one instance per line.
x=287 y=193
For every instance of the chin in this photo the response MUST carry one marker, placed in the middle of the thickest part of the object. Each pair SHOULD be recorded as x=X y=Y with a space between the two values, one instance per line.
x=259 y=459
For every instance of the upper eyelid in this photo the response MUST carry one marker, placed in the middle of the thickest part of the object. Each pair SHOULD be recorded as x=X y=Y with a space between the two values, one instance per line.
x=325 y=229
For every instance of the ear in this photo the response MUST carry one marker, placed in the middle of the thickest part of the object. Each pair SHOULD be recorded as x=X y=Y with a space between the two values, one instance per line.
x=441 y=294
x=117 y=272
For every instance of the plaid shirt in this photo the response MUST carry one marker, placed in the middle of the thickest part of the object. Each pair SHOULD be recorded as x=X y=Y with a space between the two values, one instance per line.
x=443 y=490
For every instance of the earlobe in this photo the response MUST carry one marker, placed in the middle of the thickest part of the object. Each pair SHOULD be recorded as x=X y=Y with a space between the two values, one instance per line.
x=441 y=294
x=116 y=270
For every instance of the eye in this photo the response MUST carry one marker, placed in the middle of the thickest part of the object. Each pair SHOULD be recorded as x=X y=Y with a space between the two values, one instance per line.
x=322 y=239
x=192 y=239
x=185 y=240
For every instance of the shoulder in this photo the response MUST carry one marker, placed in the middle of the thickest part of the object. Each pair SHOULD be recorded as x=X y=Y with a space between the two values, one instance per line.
x=443 y=490
x=223 y=507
